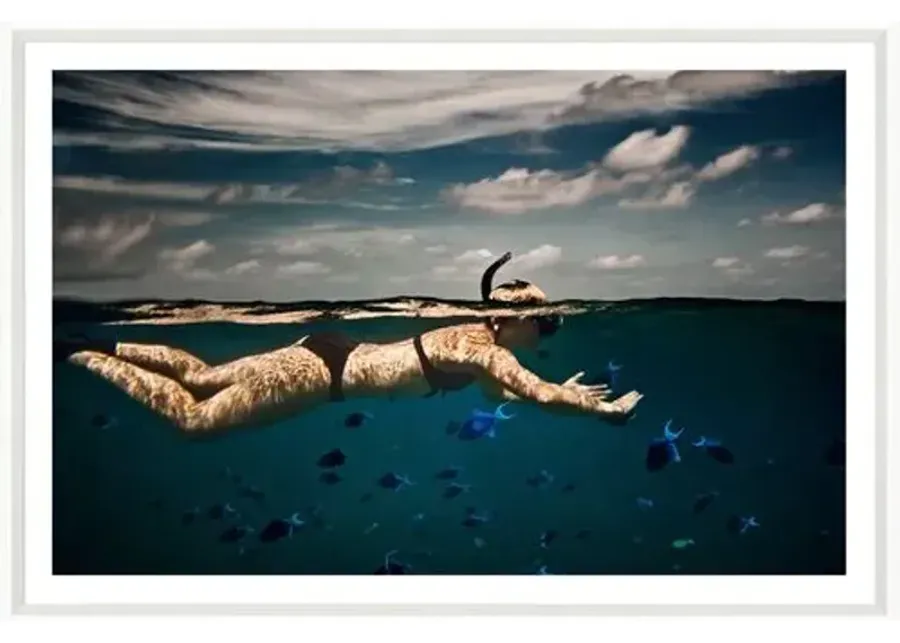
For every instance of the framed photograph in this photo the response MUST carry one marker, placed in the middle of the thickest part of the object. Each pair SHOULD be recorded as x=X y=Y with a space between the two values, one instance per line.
x=540 y=322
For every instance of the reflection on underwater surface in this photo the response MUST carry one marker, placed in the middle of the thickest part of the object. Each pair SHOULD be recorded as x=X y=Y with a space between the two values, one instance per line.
x=766 y=380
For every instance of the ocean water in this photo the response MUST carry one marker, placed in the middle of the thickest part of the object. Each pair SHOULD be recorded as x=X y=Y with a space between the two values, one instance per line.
x=766 y=378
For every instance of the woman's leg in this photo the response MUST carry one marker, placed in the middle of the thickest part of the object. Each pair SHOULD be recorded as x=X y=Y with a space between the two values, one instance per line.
x=256 y=401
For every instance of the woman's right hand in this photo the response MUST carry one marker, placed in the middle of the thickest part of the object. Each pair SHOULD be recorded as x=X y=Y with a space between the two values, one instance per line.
x=593 y=392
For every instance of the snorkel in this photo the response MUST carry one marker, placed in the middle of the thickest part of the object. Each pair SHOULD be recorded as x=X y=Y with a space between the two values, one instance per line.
x=487 y=278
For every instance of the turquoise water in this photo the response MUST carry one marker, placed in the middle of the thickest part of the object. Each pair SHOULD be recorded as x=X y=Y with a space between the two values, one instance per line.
x=768 y=379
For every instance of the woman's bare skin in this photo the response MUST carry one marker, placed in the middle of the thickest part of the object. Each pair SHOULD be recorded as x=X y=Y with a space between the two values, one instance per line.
x=258 y=390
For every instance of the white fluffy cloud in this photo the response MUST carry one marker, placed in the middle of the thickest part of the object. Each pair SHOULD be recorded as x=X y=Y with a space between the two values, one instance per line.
x=812 y=213
x=729 y=163
x=743 y=223
x=678 y=195
x=615 y=262
x=788 y=252
x=243 y=267
x=378 y=110
x=540 y=257
x=106 y=239
x=645 y=149
x=183 y=259
x=474 y=256
x=725 y=262
x=302 y=269
x=344 y=238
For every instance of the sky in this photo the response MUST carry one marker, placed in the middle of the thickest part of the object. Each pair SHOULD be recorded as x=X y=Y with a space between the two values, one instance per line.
x=329 y=185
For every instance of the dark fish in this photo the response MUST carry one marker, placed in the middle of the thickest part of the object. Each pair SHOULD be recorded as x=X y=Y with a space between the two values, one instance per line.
x=450 y=473
x=541 y=479
x=454 y=489
x=704 y=500
x=715 y=450
x=452 y=428
x=219 y=512
x=734 y=524
x=189 y=516
x=569 y=487
x=583 y=534
x=393 y=481
x=474 y=519
x=252 y=492
x=366 y=497
x=390 y=566
x=330 y=477
x=357 y=419
x=332 y=459
x=548 y=537
x=836 y=453
x=280 y=528
x=101 y=421
x=658 y=455
x=234 y=534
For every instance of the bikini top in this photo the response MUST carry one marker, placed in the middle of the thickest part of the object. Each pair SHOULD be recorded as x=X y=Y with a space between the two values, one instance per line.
x=334 y=348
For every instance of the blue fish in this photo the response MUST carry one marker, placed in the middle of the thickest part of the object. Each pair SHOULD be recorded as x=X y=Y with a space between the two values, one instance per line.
x=612 y=373
x=482 y=423
x=740 y=524
x=664 y=450
x=645 y=503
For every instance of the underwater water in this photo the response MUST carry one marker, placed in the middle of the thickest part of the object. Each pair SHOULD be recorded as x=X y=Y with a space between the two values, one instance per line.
x=767 y=379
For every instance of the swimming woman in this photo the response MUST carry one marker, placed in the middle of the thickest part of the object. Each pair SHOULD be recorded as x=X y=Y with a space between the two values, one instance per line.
x=258 y=390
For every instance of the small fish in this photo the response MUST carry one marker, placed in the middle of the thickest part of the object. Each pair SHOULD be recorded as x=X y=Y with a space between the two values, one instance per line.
x=682 y=543
x=220 y=512
x=663 y=450
x=394 y=481
x=475 y=519
x=235 y=534
x=332 y=459
x=452 y=427
x=548 y=537
x=645 y=503
x=480 y=543
x=612 y=373
x=454 y=489
x=739 y=525
x=482 y=423
x=715 y=450
x=280 y=528
x=102 y=422
x=390 y=566
x=367 y=497
x=419 y=517
x=450 y=473
x=542 y=478
x=704 y=500
x=583 y=534
x=836 y=453
x=330 y=477
x=368 y=530
x=189 y=516
x=252 y=492
x=569 y=487
x=357 y=419
x=542 y=571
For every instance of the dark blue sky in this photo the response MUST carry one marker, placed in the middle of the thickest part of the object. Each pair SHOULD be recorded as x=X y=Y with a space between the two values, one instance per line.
x=345 y=185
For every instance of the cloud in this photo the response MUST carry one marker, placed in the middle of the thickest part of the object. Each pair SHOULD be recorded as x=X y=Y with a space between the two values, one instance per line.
x=634 y=93
x=810 y=214
x=436 y=250
x=615 y=262
x=678 y=195
x=729 y=163
x=372 y=110
x=789 y=252
x=644 y=149
x=243 y=268
x=186 y=219
x=725 y=262
x=105 y=240
x=743 y=223
x=345 y=238
x=540 y=257
x=732 y=267
x=302 y=268
x=474 y=256
x=182 y=260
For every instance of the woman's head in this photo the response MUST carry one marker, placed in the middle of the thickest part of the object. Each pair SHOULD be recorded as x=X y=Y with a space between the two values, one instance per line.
x=525 y=330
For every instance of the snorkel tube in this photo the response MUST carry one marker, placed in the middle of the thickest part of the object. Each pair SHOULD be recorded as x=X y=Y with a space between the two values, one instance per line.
x=487 y=278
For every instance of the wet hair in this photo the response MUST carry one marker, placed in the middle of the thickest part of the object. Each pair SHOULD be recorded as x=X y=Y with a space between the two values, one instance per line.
x=517 y=292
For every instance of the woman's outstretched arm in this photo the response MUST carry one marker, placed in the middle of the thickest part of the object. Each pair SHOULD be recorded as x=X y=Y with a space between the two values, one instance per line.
x=501 y=367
